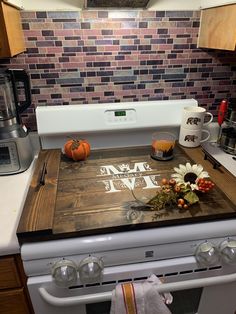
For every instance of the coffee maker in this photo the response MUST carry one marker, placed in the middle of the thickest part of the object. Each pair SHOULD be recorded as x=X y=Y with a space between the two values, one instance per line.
x=15 y=146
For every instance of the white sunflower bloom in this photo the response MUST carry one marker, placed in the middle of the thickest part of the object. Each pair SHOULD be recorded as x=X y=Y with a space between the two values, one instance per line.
x=188 y=175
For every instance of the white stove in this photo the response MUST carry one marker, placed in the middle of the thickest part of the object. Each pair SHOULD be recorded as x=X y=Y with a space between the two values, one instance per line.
x=78 y=275
x=219 y=157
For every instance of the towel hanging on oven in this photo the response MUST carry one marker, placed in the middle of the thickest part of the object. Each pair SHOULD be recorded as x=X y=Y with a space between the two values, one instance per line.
x=140 y=298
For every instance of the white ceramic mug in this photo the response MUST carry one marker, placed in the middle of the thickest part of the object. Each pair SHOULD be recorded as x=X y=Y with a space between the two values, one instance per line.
x=192 y=138
x=193 y=117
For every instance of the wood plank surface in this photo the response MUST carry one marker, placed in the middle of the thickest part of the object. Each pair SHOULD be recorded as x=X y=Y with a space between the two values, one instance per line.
x=94 y=196
x=218 y=28
x=38 y=211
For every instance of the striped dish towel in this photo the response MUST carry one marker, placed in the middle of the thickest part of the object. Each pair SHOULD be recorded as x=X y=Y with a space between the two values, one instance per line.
x=140 y=298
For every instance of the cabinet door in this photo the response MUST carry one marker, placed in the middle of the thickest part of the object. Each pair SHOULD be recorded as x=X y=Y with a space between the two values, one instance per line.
x=9 y=277
x=13 y=302
x=218 y=28
x=12 y=38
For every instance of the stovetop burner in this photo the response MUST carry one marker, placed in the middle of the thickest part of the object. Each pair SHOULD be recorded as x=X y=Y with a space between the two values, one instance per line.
x=219 y=157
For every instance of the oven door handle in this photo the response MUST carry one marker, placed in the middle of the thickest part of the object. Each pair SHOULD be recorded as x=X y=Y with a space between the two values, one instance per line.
x=165 y=287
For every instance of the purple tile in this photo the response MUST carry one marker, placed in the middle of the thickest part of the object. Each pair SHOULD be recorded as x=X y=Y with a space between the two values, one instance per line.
x=160 y=13
x=41 y=15
x=102 y=14
x=48 y=33
x=85 y=25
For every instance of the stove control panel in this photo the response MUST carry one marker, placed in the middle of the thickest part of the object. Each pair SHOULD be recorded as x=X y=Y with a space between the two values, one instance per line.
x=90 y=263
x=120 y=116
x=90 y=269
x=228 y=251
x=207 y=253
x=64 y=273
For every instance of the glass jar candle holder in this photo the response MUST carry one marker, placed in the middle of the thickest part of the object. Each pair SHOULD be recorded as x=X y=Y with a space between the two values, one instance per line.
x=163 y=144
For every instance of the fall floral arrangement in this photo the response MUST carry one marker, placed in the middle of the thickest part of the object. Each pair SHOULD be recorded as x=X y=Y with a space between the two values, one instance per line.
x=183 y=189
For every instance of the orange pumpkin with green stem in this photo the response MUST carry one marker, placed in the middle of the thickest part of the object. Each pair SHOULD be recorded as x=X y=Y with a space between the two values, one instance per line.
x=77 y=149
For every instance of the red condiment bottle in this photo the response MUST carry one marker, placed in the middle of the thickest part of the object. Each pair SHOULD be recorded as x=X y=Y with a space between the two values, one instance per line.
x=222 y=111
x=221 y=116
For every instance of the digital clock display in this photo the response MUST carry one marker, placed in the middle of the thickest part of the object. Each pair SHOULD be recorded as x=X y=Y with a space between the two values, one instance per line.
x=120 y=113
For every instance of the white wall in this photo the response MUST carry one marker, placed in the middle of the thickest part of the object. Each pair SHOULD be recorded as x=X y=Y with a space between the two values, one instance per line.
x=50 y=5
x=17 y=3
x=53 y=5
x=161 y=5
x=173 y=5
x=214 y=3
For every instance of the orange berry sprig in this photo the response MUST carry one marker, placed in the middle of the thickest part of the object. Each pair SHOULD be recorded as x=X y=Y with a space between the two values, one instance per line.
x=168 y=185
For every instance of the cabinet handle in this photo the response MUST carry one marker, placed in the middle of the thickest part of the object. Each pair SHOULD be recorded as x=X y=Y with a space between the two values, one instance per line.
x=211 y=159
x=165 y=287
x=43 y=174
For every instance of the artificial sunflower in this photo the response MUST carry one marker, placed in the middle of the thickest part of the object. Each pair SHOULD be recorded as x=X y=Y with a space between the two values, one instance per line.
x=188 y=175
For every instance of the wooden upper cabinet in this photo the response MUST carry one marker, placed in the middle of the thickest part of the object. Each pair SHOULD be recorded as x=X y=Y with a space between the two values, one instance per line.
x=11 y=33
x=218 y=28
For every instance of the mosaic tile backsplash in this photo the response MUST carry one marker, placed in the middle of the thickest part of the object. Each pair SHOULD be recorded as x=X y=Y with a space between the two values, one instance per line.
x=112 y=56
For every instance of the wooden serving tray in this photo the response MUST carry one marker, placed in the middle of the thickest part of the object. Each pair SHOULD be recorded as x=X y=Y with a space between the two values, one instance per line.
x=94 y=196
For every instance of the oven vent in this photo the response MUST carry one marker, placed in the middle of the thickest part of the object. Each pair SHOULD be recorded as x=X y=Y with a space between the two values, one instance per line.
x=125 y=280
x=136 y=279
x=104 y=283
x=200 y=270
x=96 y=284
x=171 y=274
x=215 y=267
x=186 y=272
x=131 y=4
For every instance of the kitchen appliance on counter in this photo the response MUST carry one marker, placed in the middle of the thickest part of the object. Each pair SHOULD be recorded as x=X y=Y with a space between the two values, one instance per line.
x=227 y=139
x=219 y=157
x=76 y=274
x=15 y=147
x=223 y=150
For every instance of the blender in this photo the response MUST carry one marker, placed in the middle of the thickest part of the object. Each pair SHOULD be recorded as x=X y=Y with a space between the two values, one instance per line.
x=15 y=146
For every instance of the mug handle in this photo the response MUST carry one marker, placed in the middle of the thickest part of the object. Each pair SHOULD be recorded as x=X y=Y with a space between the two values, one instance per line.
x=211 y=118
x=208 y=136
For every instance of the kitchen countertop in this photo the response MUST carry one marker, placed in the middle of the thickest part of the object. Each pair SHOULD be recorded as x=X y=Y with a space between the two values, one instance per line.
x=13 y=192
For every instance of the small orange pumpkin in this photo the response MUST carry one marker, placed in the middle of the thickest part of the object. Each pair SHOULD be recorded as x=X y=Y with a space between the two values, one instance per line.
x=77 y=149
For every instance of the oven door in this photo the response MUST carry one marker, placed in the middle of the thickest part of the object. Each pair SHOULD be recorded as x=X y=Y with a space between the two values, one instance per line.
x=194 y=289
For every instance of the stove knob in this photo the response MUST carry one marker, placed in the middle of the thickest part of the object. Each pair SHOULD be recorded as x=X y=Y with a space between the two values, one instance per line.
x=228 y=251
x=207 y=254
x=90 y=269
x=64 y=273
